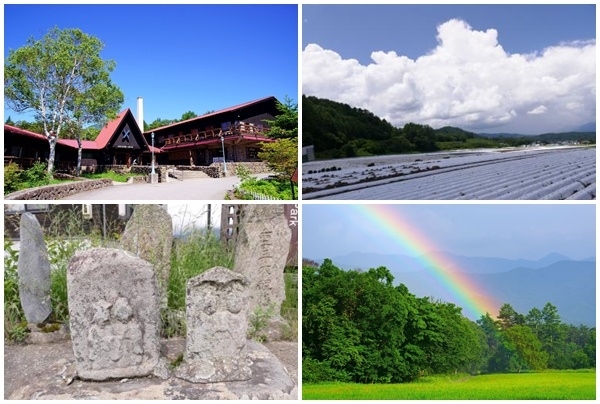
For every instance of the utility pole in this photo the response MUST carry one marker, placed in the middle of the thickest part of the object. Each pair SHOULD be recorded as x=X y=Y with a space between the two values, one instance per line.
x=208 y=219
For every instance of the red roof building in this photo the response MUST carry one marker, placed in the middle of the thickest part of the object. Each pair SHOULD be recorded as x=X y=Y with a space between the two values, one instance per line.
x=237 y=131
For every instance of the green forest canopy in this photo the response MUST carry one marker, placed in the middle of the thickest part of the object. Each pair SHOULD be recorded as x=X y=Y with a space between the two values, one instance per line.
x=358 y=327
x=338 y=130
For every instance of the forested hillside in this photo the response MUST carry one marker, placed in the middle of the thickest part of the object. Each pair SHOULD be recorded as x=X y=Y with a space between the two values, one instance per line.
x=338 y=130
x=358 y=327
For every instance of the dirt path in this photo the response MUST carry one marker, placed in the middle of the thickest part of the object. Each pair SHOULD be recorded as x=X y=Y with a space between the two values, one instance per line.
x=24 y=363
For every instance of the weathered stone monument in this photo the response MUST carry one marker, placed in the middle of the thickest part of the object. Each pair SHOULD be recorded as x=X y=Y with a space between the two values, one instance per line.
x=33 y=269
x=216 y=306
x=261 y=251
x=114 y=314
x=149 y=235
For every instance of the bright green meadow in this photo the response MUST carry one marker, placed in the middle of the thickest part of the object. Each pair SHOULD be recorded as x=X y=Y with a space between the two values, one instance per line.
x=558 y=385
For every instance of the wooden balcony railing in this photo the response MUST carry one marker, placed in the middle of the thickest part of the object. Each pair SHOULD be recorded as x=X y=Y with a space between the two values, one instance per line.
x=23 y=162
x=242 y=128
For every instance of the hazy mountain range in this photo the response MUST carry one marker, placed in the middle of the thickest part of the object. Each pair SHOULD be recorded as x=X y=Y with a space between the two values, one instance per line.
x=568 y=284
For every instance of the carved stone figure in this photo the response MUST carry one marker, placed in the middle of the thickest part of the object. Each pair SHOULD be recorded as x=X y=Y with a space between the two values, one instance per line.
x=216 y=328
x=114 y=314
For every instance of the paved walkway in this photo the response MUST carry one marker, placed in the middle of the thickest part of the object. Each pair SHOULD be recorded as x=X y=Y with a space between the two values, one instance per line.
x=192 y=189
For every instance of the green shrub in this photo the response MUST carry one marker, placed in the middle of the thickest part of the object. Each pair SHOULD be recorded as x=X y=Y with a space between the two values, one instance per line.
x=269 y=187
x=12 y=178
x=36 y=175
x=289 y=307
x=16 y=179
x=201 y=250
x=15 y=326
x=314 y=371
x=242 y=172
x=258 y=322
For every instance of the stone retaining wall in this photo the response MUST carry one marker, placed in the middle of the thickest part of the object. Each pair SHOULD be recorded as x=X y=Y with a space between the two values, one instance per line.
x=59 y=191
x=259 y=167
x=137 y=180
x=215 y=170
x=211 y=171
x=69 y=177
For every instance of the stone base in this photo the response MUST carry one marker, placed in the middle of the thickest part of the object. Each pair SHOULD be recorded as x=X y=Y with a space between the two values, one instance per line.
x=269 y=381
x=204 y=371
x=47 y=334
x=153 y=178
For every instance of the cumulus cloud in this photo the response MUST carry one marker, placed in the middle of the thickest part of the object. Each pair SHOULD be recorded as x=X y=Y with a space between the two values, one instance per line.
x=468 y=80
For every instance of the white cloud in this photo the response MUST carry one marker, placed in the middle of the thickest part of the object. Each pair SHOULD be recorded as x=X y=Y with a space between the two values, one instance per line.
x=468 y=80
x=540 y=109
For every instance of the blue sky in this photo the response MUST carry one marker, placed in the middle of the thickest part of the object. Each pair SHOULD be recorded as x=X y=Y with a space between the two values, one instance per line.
x=507 y=231
x=487 y=68
x=179 y=57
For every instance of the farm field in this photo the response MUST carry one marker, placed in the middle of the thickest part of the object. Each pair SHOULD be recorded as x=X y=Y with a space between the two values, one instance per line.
x=534 y=174
x=568 y=385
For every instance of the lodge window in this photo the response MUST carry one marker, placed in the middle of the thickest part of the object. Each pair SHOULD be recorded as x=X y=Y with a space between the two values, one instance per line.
x=252 y=152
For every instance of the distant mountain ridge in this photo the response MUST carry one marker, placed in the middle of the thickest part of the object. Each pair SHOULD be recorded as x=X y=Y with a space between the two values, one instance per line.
x=545 y=137
x=398 y=263
x=568 y=284
x=338 y=130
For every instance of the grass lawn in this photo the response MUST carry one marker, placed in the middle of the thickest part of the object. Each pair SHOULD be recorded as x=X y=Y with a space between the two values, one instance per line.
x=110 y=174
x=552 y=385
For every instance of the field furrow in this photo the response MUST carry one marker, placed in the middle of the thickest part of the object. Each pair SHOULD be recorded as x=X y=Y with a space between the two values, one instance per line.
x=550 y=174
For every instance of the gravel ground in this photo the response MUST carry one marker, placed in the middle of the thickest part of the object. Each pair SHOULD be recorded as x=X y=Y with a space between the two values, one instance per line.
x=23 y=363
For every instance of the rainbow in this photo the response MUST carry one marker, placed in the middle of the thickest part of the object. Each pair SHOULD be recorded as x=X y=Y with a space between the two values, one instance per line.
x=468 y=295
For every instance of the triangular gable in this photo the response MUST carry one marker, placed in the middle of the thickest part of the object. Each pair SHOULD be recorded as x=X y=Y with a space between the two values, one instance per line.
x=122 y=132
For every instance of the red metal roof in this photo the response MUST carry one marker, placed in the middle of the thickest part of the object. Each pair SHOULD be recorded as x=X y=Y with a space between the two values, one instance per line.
x=150 y=148
x=24 y=132
x=215 y=113
x=109 y=129
x=85 y=144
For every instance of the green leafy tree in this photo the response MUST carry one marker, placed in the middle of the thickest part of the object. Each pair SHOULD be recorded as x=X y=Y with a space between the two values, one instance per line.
x=35 y=127
x=527 y=348
x=421 y=136
x=589 y=347
x=281 y=156
x=188 y=115
x=9 y=121
x=97 y=101
x=352 y=326
x=61 y=78
x=285 y=124
x=448 y=341
x=158 y=122
x=534 y=320
x=508 y=317
x=491 y=331
x=551 y=332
